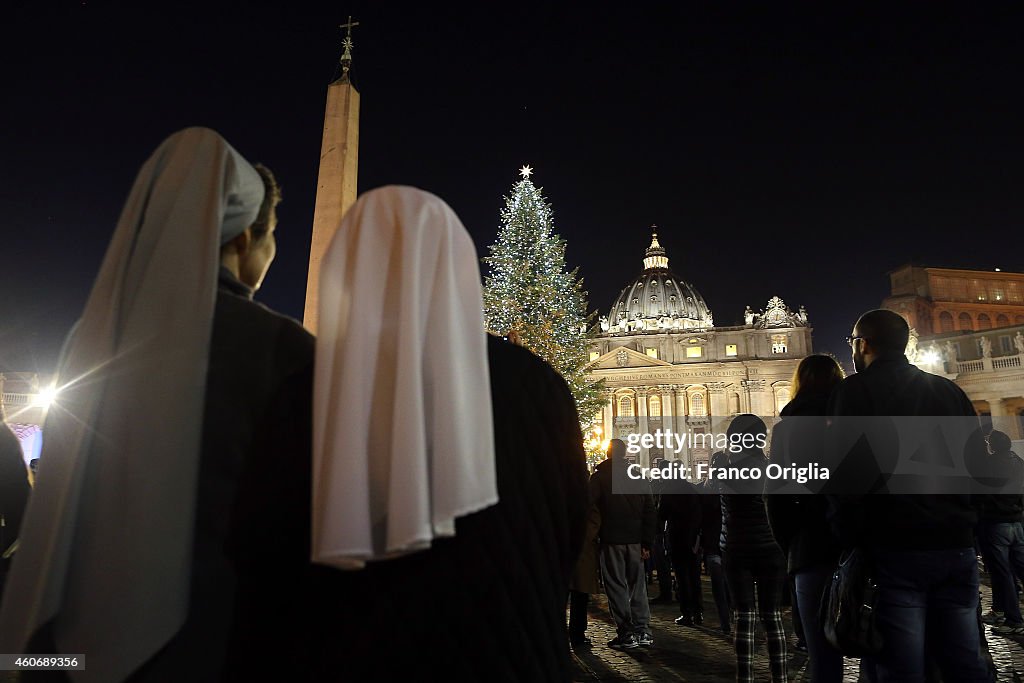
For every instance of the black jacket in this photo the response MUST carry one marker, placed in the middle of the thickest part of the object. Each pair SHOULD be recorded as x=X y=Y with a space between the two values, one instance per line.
x=488 y=604
x=891 y=386
x=800 y=522
x=14 y=490
x=625 y=517
x=710 y=518
x=1006 y=507
x=680 y=506
x=250 y=568
x=745 y=528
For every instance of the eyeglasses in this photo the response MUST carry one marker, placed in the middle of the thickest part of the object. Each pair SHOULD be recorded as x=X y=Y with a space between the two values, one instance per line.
x=851 y=339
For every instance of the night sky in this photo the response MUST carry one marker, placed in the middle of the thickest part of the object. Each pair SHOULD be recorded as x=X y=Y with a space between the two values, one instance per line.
x=780 y=153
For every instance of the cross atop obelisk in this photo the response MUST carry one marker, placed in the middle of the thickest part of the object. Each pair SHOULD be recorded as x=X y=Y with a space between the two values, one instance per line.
x=346 y=45
x=336 y=182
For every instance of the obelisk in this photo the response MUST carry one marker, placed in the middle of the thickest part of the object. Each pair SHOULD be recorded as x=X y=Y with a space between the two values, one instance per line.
x=336 y=182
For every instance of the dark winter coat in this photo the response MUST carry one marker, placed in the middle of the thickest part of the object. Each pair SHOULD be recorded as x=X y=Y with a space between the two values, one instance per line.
x=625 y=517
x=800 y=522
x=14 y=490
x=250 y=569
x=489 y=603
x=891 y=386
x=710 y=517
x=585 y=574
x=745 y=528
x=680 y=507
x=1003 y=507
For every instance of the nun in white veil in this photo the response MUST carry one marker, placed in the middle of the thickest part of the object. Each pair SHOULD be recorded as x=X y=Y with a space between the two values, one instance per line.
x=449 y=475
x=136 y=507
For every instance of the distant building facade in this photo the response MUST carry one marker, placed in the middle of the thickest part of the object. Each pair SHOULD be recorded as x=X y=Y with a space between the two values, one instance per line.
x=941 y=300
x=667 y=366
x=968 y=325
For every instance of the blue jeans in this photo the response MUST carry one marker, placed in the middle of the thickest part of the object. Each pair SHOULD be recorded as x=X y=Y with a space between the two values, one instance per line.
x=1004 y=543
x=933 y=592
x=826 y=662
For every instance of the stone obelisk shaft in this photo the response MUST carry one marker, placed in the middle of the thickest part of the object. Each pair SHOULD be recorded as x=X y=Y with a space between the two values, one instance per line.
x=336 y=183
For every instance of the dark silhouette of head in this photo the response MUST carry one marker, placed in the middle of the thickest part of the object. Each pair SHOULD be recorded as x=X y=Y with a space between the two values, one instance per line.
x=817 y=374
x=746 y=432
x=878 y=333
x=998 y=443
x=616 y=449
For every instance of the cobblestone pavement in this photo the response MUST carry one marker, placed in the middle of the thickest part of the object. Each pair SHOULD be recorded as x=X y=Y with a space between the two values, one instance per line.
x=704 y=654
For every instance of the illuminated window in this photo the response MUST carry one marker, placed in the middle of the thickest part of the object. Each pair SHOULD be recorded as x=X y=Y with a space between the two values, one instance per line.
x=779 y=344
x=946 y=321
x=652 y=352
x=940 y=288
x=976 y=291
x=594 y=355
x=697 y=405
x=984 y=322
x=958 y=289
x=965 y=322
x=654 y=403
x=730 y=350
x=1013 y=293
x=694 y=352
x=625 y=407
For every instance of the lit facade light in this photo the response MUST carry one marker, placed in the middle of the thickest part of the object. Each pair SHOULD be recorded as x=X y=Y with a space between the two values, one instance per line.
x=46 y=396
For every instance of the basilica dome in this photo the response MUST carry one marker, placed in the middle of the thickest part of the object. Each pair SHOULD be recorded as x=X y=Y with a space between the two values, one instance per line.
x=657 y=300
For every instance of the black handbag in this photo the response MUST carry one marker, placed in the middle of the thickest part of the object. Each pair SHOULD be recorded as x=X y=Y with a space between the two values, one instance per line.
x=848 y=607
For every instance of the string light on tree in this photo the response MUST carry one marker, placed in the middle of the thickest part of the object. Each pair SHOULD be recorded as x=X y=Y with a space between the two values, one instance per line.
x=529 y=294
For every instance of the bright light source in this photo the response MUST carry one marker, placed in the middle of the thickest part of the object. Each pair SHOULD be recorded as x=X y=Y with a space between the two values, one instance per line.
x=930 y=358
x=46 y=397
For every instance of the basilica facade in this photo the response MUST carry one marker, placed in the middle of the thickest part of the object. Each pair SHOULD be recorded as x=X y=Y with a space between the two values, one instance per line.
x=666 y=365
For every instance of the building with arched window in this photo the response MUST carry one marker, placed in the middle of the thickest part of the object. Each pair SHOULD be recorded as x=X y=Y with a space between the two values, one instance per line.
x=938 y=300
x=968 y=325
x=666 y=365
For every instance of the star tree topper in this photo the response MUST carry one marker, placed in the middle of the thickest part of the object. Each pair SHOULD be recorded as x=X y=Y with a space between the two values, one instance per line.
x=525 y=171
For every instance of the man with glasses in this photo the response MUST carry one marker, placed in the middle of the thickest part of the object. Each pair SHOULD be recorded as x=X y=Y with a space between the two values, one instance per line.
x=922 y=545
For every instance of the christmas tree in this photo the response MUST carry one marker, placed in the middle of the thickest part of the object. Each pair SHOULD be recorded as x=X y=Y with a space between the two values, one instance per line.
x=528 y=293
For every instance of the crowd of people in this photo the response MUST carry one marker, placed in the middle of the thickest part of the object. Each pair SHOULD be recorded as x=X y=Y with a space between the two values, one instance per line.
x=775 y=547
x=223 y=497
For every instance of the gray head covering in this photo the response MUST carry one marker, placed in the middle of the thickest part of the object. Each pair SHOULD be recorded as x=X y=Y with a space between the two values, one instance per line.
x=106 y=542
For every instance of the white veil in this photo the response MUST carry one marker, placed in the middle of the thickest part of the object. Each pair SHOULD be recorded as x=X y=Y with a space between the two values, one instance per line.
x=403 y=432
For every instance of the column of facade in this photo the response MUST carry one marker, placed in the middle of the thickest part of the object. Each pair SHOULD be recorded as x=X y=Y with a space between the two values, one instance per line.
x=667 y=412
x=753 y=391
x=717 y=400
x=608 y=417
x=1003 y=419
x=642 y=424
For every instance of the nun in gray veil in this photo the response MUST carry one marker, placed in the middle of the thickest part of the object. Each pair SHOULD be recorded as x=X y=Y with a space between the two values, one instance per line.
x=169 y=533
